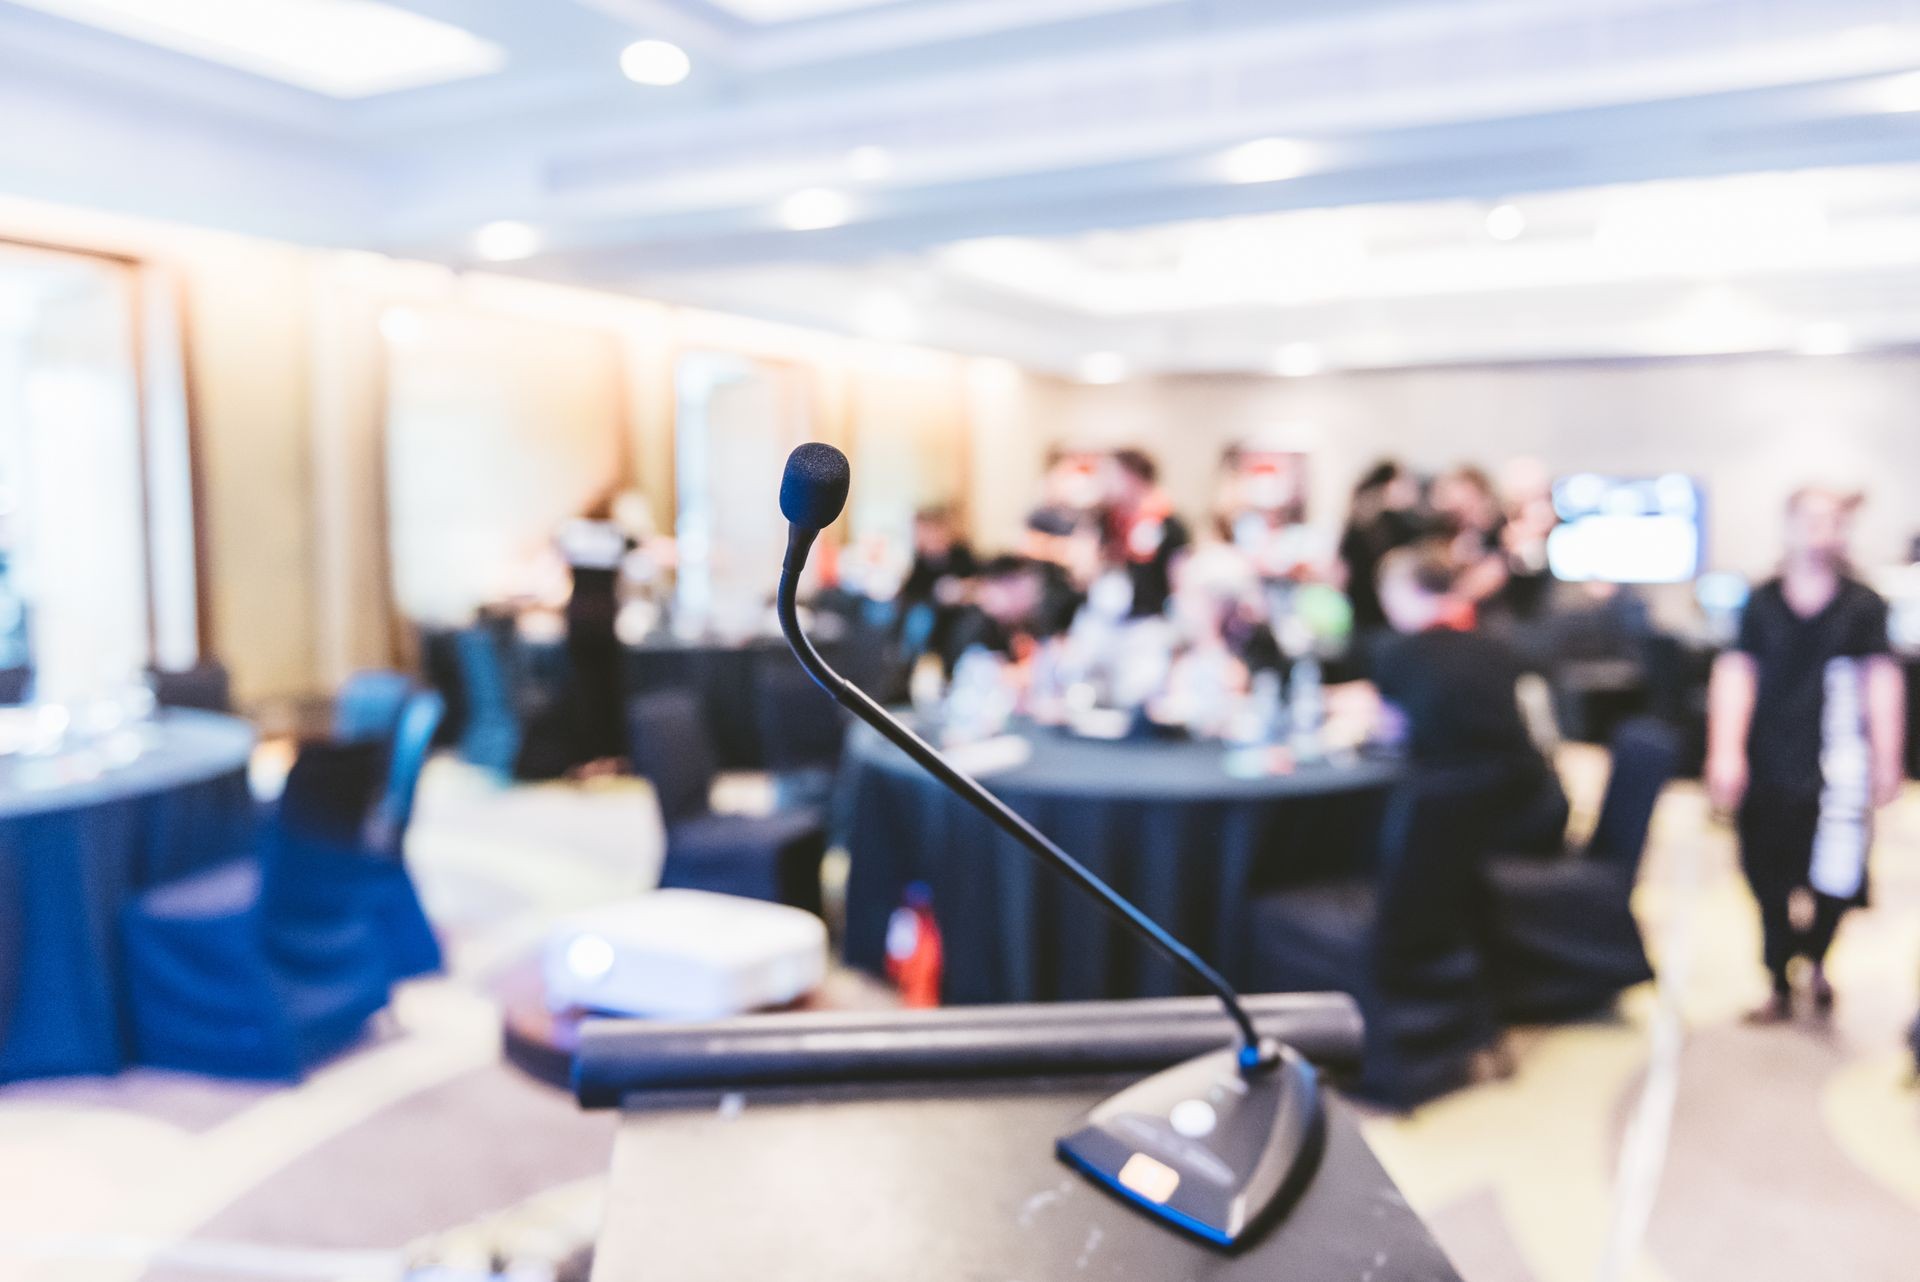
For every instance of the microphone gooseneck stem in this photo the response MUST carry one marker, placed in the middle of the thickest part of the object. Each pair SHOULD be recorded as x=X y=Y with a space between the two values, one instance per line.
x=1253 y=1056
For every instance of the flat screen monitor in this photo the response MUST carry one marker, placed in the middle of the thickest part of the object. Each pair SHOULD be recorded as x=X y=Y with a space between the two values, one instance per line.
x=1627 y=529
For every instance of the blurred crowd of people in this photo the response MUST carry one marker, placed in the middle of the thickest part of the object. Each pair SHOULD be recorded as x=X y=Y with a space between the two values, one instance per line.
x=1253 y=581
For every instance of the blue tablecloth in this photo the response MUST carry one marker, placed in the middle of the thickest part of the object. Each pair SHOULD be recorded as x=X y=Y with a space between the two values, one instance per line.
x=73 y=851
x=1163 y=821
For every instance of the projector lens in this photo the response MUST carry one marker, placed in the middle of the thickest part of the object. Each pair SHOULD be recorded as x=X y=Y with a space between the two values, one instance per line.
x=590 y=957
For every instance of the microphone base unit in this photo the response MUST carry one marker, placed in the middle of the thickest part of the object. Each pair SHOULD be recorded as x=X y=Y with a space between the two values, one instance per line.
x=1205 y=1146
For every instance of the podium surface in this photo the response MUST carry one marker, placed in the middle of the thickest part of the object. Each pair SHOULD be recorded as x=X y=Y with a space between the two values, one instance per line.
x=951 y=1181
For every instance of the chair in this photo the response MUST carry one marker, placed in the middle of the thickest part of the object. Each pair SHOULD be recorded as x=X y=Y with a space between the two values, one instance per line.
x=440 y=669
x=204 y=686
x=377 y=869
x=492 y=732
x=801 y=729
x=1678 y=675
x=369 y=703
x=15 y=685
x=1401 y=942
x=1561 y=940
x=774 y=857
x=265 y=966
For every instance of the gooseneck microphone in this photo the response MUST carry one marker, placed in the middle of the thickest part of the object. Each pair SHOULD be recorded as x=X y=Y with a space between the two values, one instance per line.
x=1210 y=1145
x=812 y=494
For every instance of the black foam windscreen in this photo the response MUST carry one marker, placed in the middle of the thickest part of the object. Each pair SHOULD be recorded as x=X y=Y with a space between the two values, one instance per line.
x=814 y=488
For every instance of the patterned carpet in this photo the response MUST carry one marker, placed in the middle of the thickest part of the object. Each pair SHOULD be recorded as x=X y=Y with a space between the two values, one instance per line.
x=1672 y=1144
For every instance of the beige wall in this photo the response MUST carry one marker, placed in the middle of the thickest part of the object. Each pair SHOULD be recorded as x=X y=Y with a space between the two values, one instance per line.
x=248 y=332
x=291 y=382
x=499 y=429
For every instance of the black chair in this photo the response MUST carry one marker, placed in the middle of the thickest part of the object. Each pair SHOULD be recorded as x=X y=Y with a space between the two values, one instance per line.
x=204 y=686
x=368 y=704
x=801 y=730
x=1402 y=942
x=440 y=670
x=264 y=966
x=15 y=685
x=1678 y=675
x=774 y=857
x=377 y=870
x=1561 y=940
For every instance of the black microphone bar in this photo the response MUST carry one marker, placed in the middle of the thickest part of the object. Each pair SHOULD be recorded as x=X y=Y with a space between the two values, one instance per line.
x=812 y=493
x=619 y=1057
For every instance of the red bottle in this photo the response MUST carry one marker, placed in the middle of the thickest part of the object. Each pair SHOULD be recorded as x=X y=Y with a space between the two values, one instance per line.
x=913 y=948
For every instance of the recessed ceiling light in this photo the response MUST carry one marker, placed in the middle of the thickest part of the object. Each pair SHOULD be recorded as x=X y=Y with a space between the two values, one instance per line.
x=341 y=48
x=1299 y=360
x=659 y=63
x=1898 y=93
x=886 y=316
x=1825 y=338
x=506 y=241
x=1266 y=160
x=815 y=209
x=1506 y=222
x=869 y=164
x=1103 y=367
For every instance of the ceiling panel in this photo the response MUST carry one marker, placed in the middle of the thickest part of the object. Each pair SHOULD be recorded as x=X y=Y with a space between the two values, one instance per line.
x=773 y=11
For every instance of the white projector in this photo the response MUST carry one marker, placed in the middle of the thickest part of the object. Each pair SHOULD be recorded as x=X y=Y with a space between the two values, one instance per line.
x=684 y=954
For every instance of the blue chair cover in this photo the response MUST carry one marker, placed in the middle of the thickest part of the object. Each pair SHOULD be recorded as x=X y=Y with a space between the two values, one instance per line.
x=379 y=874
x=369 y=703
x=492 y=733
x=263 y=967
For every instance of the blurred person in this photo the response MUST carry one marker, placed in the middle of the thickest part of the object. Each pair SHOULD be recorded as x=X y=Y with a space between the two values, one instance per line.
x=942 y=558
x=937 y=582
x=1071 y=492
x=1806 y=721
x=1450 y=694
x=1008 y=612
x=1260 y=505
x=1384 y=516
x=594 y=547
x=1218 y=597
x=1144 y=536
x=1468 y=508
x=1066 y=528
x=1527 y=487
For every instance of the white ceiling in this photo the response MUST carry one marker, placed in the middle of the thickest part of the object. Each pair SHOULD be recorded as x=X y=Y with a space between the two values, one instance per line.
x=766 y=11
x=1045 y=178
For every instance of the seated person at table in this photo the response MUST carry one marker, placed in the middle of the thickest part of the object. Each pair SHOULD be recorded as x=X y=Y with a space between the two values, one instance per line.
x=1450 y=693
x=1144 y=537
x=938 y=582
x=941 y=557
x=1016 y=603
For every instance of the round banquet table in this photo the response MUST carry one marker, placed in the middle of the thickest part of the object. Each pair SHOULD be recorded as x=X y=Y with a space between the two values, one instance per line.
x=76 y=844
x=1163 y=821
